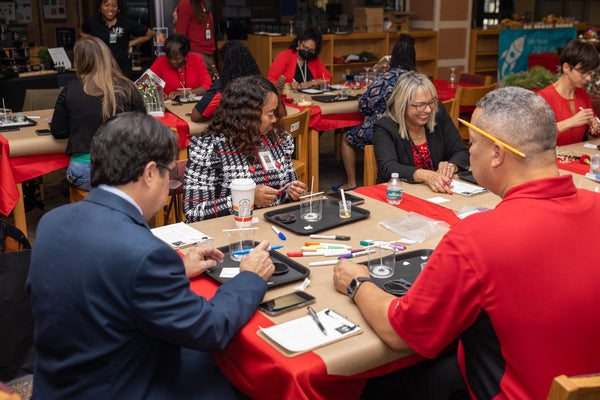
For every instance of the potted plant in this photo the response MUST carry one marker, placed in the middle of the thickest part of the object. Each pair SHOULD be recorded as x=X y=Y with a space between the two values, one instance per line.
x=536 y=78
x=45 y=59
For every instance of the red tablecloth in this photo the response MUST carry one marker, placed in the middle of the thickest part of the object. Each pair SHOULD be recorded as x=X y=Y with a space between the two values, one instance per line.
x=19 y=169
x=183 y=129
x=412 y=203
x=325 y=122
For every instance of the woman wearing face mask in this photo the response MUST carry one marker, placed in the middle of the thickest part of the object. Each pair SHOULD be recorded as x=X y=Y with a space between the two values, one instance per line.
x=300 y=64
x=417 y=137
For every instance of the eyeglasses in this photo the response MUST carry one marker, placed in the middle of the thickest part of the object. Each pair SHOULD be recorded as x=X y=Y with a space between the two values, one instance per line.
x=421 y=106
x=173 y=173
x=304 y=47
x=585 y=74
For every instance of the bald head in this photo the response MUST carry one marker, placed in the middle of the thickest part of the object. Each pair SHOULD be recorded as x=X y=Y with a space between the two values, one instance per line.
x=520 y=118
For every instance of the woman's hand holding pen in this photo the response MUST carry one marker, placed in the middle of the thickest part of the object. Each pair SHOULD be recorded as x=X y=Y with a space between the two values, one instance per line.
x=296 y=189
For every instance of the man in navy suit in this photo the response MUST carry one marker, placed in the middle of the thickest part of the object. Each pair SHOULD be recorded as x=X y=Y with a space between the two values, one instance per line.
x=114 y=314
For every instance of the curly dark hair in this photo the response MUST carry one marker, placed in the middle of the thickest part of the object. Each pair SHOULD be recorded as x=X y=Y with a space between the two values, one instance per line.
x=238 y=116
x=309 y=33
x=237 y=62
x=403 y=54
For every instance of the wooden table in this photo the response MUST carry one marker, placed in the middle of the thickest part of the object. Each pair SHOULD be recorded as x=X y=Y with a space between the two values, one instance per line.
x=337 y=370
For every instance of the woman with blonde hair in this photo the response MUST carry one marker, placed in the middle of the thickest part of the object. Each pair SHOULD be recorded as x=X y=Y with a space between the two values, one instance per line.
x=100 y=92
x=417 y=137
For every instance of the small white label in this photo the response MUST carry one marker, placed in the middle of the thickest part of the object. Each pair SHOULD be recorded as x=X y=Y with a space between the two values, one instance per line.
x=294 y=127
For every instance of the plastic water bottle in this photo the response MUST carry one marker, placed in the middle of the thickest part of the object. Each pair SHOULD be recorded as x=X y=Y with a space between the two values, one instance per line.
x=452 y=77
x=394 y=190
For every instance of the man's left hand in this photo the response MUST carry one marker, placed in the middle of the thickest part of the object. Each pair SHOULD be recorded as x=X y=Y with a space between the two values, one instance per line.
x=199 y=259
x=345 y=272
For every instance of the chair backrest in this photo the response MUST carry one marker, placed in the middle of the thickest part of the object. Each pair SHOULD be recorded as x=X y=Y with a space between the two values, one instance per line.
x=40 y=99
x=585 y=387
x=370 y=167
x=297 y=126
x=468 y=97
x=450 y=106
x=482 y=80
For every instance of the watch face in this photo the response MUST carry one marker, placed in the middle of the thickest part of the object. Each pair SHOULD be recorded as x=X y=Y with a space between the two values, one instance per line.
x=352 y=287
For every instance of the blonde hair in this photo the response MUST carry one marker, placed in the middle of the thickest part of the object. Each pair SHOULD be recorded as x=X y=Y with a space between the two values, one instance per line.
x=404 y=92
x=100 y=74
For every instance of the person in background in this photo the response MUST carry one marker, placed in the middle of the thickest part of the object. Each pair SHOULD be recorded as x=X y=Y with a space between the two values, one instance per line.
x=181 y=69
x=237 y=62
x=300 y=64
x=120 y=33
x=372 y=105
x=114 y=314
x=417 y=137
x=194 y=19
x=100 y=92
x=567 y=96
x=244 y=140
x=494 y=283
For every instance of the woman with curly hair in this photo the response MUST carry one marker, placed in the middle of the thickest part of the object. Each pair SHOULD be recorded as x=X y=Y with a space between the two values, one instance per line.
x=244 y=140
x=100 y=92
x=237 y=62
x=300 y=64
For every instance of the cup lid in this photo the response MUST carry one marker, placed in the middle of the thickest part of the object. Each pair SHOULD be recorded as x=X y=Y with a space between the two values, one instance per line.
x=242 y=184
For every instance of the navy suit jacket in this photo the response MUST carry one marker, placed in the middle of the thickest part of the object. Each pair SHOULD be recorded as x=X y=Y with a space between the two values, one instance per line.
x=112 y=305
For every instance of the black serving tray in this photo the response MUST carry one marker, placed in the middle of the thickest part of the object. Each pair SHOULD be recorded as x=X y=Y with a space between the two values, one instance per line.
x=333 y=98
x=12 y=123
x=408 y=267
x=295 y=271
x=178 y=100
x=329 y=220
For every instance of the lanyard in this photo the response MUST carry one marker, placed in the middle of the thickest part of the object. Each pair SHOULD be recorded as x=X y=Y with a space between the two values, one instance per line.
x=184 y=76
x=414 y=146
x=302 y=72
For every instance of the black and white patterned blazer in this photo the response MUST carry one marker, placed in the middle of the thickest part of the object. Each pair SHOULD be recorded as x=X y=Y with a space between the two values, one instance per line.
x=213 y=164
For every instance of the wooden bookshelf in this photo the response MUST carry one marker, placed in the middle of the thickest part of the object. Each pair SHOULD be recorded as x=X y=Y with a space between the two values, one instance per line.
x=265 y=48
x=483 y=54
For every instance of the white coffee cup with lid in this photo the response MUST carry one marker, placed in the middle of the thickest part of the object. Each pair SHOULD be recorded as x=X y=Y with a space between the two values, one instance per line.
x=242 y=197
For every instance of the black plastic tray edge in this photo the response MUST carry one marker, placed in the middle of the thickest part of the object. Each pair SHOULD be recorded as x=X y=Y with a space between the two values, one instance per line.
x=399 y=257
x=364 y=213
x=304 y=272
x=29 y=123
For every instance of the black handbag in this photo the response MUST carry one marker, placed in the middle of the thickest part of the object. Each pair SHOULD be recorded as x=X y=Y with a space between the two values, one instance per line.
x=16 y=319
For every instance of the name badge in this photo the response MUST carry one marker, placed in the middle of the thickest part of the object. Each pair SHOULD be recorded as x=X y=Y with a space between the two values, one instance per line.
x=112 y=38
x=267 y=160
x=208 y=34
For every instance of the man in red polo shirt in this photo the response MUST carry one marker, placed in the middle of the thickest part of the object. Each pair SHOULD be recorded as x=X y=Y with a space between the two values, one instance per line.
x=517 y=285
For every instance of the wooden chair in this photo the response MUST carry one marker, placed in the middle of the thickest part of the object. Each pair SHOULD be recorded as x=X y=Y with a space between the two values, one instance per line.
x=450 y=106
x=40 y=99
x=297 y=126
x=482 y=80
x=468 y=97
x=585 y=387
x=370 y=166
x=173 y=211
x=76 y=194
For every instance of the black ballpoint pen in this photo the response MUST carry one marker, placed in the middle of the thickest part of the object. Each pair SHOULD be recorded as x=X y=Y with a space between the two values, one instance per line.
x=315 y=318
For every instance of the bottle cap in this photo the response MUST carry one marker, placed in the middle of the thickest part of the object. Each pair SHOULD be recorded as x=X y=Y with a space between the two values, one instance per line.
x=394 y=175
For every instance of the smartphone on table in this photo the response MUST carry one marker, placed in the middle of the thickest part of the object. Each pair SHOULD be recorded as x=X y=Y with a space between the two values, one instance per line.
x=285 y=303
x=42 y=132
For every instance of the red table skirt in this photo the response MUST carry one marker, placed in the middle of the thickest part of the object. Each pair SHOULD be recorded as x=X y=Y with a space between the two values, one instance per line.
x=412 y=203
x=183 y=129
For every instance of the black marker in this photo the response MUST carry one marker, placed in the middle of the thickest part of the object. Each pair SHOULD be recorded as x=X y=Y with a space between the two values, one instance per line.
x=331 y=237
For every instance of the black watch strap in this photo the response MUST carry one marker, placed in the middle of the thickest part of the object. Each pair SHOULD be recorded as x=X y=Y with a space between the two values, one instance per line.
x=355 y=284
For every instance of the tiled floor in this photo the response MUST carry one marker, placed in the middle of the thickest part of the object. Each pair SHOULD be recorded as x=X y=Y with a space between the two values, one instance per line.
x=331 y=172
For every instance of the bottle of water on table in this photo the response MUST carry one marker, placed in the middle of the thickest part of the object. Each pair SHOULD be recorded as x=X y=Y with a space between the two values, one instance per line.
x=394 y=190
